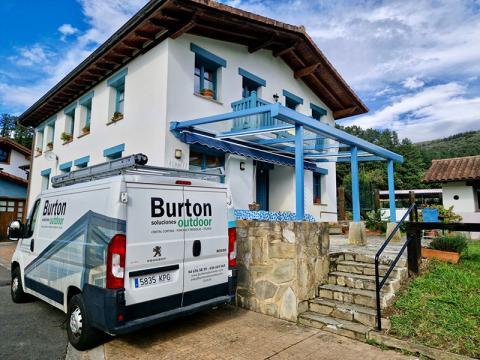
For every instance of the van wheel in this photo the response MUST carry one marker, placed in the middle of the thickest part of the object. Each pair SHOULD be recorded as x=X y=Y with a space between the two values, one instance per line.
x=16 y=288
x=81 y=334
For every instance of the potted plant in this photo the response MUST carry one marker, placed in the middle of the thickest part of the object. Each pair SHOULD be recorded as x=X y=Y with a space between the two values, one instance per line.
x=254 y=206
x=38 y=151
x=117 y=115
x=66 y=137
x=50 y=145
x=208 y=93
x=317 y=200
x=86 y=129
x=446 y=248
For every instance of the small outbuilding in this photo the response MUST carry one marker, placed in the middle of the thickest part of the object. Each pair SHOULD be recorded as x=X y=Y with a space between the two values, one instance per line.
x=460 y=179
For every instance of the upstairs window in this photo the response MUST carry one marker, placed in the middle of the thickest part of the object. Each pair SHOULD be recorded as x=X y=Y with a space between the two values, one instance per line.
x=4 y=155
x=317 y=111
x=67 y=135
x=206 y=71
x=250 y=82
x=85 y=113
x=45 y=178
x=317 y=188
x=292 y=100
x=49 y=133
x=39 y=141
x=117 y=98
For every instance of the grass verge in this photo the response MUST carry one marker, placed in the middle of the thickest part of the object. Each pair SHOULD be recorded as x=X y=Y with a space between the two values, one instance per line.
x=441 y=308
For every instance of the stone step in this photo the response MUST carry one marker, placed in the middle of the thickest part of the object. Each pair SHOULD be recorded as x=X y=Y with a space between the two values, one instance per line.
x=335 y=230
x=337 y=326
x=358 y=281
x=346 y=311
x=362 y=268
x=355 y=296
x=386 y=258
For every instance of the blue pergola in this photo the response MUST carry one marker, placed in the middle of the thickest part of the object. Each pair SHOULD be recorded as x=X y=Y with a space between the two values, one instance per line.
x=285 y=136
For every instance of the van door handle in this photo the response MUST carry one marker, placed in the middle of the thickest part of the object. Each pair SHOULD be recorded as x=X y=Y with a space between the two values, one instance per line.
x=197 y=248
x=32 y=244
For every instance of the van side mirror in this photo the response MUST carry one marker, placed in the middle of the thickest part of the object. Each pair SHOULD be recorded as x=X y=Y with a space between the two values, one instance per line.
x=14 y=231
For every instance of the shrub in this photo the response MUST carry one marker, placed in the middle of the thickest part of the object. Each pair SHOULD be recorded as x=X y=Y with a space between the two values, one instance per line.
x=445 y=215
x=455 y=243
x=373 y=220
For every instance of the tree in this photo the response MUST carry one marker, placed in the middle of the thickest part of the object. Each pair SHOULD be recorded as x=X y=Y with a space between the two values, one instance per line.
x=9 y=127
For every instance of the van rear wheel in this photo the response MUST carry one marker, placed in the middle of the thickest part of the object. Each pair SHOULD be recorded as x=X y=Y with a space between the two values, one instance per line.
x=16 y=288
x=81 y=334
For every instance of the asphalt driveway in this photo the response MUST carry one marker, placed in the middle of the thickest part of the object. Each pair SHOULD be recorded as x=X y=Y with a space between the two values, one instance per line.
x=33 y=330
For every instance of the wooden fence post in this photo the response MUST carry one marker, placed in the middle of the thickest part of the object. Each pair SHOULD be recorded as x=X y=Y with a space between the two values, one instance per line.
x=376 y=202
x=341 y=203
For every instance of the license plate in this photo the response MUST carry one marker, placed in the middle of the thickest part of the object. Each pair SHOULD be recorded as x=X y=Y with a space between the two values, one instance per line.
x=153 y=279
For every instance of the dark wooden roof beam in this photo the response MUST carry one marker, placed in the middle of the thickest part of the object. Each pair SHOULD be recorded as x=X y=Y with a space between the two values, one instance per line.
x=182 y=29
x=261 y=45
x=146 y=34
x=96 y=72
x=123 y=51
x=133 y=44
x=115 y=59
x=309 y=70
x=345 y=112
x=105 y=65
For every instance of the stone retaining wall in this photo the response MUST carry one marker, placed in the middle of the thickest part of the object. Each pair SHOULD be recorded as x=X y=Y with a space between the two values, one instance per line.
x=281 y=264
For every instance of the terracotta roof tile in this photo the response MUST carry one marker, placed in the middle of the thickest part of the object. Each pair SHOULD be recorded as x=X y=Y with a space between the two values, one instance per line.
x=455 y=169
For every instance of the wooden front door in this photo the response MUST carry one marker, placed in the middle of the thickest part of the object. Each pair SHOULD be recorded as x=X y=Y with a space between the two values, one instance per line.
x=10 y=209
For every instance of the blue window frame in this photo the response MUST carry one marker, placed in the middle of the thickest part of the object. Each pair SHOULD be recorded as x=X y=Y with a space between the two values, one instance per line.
x=317 y=188
x=205 y=159
x=250 y=82
x=317 y=111
x=86 y=102
x=65 y=167
x=45 y=178
x=4 y=155
x=117 y=82
x=205 y=72
x=292 y=100
x=70 y=112
x=115 y=152
x=82 y=162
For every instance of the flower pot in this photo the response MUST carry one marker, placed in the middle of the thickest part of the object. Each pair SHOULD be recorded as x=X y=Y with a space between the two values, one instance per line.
x=447 y=256
x=85 y=131
x=50 y=147
x=253 y=207
x=207 y=93
x=117 y=116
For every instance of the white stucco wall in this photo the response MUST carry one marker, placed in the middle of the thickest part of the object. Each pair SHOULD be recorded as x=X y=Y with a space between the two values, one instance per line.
x=466 y=199
x=159 y=89
x=16 y=159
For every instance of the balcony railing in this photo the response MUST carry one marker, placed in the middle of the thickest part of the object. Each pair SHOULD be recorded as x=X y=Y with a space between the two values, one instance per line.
x=254 y=121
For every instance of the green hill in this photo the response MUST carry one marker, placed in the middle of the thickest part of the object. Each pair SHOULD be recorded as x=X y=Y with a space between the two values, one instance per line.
x=463 y=144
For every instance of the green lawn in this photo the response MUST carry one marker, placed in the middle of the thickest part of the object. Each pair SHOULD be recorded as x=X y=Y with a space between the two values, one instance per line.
x=441 y=308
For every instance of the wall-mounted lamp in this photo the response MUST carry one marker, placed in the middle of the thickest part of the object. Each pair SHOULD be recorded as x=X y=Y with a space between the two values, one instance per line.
x=276 y=97
x=242 y=165
x=178 y=153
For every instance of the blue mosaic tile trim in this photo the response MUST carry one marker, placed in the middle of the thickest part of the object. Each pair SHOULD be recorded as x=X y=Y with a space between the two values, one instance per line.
x=270 y=215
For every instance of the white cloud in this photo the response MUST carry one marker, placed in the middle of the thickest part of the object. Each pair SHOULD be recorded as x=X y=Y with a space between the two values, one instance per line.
x=34 y=55
x=67 y=30
x=412 y=83
x=434 y=112
x=103 y=18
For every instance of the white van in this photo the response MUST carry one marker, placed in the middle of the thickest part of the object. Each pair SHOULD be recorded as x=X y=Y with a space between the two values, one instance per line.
x=120 y=246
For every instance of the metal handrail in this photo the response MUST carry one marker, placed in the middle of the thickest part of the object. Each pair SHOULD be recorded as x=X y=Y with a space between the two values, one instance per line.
x=379 y=284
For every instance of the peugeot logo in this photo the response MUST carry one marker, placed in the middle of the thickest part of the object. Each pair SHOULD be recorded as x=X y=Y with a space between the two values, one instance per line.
x=157 y=251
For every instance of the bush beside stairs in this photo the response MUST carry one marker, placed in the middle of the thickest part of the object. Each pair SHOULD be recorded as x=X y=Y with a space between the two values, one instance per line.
x=347 y=304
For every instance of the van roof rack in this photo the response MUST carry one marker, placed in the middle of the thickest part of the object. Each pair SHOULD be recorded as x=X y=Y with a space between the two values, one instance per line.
x=132 y=164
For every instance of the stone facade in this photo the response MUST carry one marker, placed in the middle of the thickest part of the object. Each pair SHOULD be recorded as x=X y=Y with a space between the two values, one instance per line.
x=281 y=264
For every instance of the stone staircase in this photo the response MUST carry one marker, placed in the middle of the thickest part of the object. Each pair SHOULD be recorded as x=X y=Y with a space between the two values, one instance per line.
x=347 y=304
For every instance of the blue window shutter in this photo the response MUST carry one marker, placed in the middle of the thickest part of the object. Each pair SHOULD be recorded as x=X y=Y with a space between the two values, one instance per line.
x=46 y=172
x=118 y=78
x=292 y=97
x=70 y=109
x=82 y=162
x=208 y=56
x=114 y=152
x=65 y=166
x=254 y=78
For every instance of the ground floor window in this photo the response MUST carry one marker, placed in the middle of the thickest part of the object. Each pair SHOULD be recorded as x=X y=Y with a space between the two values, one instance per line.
x=317 y=188
x=206 y=160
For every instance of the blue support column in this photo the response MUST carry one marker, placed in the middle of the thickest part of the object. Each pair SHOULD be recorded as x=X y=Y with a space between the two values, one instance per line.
x=391 y=192
x=355 y=185
x=299 y=174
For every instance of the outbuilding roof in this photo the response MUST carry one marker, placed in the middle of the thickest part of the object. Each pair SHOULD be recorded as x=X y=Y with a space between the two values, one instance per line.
x=162 y=19
x=9 y=143
x=455 y=169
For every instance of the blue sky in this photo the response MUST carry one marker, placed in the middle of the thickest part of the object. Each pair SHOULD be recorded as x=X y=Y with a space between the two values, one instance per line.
x=416 y=64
